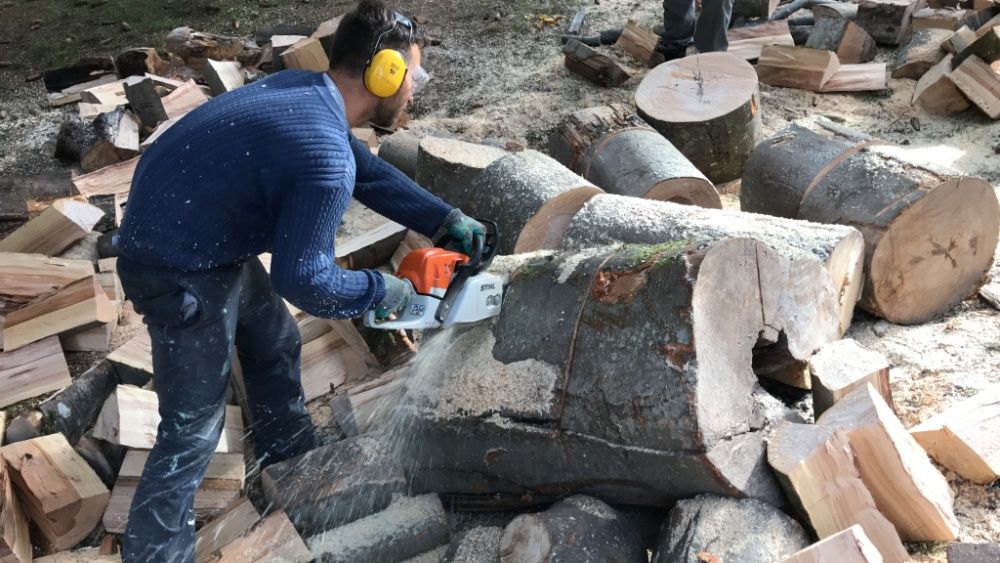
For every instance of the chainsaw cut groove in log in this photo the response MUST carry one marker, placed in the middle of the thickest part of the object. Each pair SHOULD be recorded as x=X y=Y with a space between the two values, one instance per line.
x=617 y=151
x=929 y=233
x=708 y=107
x=677 y=418
x=607 y=219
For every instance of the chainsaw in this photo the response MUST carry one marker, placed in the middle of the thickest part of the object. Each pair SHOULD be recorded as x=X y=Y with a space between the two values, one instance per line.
x=450 y=288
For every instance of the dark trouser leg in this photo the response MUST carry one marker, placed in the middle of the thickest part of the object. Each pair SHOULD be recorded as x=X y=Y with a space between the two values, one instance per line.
x=269 y=347
x=191 y=319
x=713 y=23
x=678 y=24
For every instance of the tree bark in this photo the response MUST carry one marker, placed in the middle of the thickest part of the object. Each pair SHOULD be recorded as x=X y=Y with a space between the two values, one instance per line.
x=929 y=233
x=620 y=153
x=708 y=107
x=400 y=150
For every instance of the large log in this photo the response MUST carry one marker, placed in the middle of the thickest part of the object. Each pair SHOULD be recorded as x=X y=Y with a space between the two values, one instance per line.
x=887 y=21
x=608 y=219
x=447 y=167
x=929 y=233
x=617 y=151
x=624 y=373
x=531 y=197
x=708 y=107
x=400 y=150
x=574 y=529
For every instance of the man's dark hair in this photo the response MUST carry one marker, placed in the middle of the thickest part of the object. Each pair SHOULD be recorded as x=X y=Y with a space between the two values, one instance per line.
x=354 y=41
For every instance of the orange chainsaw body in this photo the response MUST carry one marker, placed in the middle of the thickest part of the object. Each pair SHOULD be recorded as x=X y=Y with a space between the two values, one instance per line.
x=430 y=270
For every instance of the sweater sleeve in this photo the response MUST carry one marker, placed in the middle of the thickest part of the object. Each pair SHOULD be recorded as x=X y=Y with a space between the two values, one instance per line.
x=303 y=266
x=392 y=194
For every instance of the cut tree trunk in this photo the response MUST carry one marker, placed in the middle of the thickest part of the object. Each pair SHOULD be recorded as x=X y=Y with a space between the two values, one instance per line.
x=843 y=366
x=607 y=219
x=887 y=21
x=447 y=167
x=61 y=494
x=56 y=229
x=920 y=54
x=754 y=8
x=708 y=107
x=849 y=546
x=964 y=438
x=78 y=306
x=573 y=529
x=587 y=62
x=929 y=233
x=845 y=38
x=26 y=277
x=796 y=67
x=613 y=148
x=936 y=93
x=644 y=431
x=817 y=468
x=906 y=486
x=33 y=370
x=980 y=83
x=531 y=197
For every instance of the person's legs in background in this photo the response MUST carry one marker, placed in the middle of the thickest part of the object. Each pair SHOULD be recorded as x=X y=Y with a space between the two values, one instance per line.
x=678 y=28
x=713 y=23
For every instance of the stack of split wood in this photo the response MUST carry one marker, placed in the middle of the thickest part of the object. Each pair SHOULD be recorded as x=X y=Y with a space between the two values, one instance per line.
x=954 y=70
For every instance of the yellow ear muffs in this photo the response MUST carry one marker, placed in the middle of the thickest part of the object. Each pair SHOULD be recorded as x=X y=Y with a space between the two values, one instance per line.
x=384 y=73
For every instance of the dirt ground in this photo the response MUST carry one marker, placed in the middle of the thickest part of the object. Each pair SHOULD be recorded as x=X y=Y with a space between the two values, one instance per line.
x=498 y=75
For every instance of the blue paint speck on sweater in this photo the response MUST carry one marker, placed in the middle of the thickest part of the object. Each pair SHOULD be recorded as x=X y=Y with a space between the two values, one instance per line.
x=269 y=167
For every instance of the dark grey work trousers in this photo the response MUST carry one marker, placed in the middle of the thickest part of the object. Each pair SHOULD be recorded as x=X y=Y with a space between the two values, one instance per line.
x=708 y=29
x=194 y=319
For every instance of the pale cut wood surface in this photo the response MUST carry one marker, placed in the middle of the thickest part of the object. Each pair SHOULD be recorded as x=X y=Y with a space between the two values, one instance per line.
x=271 y=539
x=112 y=179
x=56 y=229
x=77 y=306
x=965 y=437
x=32 y=370
x=849 y=546
x=224 y=529
x=796 y=67
x=696 y=88
x=25 y=277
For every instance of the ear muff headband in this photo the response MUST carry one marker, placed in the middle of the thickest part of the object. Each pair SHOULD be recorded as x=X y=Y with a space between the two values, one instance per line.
x=386 y=68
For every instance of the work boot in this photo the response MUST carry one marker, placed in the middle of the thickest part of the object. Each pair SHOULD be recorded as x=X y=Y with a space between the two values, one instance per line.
x=671 y=52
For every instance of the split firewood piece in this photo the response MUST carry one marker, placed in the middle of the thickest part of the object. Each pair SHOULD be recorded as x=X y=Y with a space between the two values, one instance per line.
x=160 y=129
x=887 y=21
x=195 y=46
x=840 y=367
x=587 y=62
x=183 y=99
x=77 y=306
x=96 y=339
x=368 y=406
x=72 y=94
x=84 y=70
x=986 y=47
x=964 y=437
x=74 y=410
x=959 y=40
x=532 y=197
x=888 y=193
x=707 y=106
x=371 y=248
x=220 y=487
x=130 y=418
x=447 y=167
x=615 y=149
x=357 y=475
x=145 y=100
x=325 y=31
x=60 y=493
x=747 y=42
x=224 y=529
x=139 y=61
x=112 y=93
x=89 y=112
x=796 y=67
x=640 y=43
x=367 y=136
x=222 y=76
x=906 y=486
x=839 y=10
x=280 y=44
x=15 y=539
x=273 y=539
x=865 y=77
x=980 y=83
x=25 y=277
x=411 y=241
x=408 y=527
x=56 y=229
x=936 y=93
x=754 y=8
x=920 y=54
x=113 y=179
x=306 y=54
x=845 y=38
x=134 y=358
x=948 y=19
x=817 y=468
x=329 y=362
x=116 y=138
x=32 y=370
x=848 y=546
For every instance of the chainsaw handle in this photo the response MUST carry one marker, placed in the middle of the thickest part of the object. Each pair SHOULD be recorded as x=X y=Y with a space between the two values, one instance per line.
x=484 y=246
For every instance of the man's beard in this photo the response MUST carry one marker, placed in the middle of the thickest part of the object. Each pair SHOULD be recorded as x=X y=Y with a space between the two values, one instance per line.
x=388 y=111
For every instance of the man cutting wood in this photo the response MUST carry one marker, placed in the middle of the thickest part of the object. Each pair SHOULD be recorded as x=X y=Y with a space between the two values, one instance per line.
x=269 y=167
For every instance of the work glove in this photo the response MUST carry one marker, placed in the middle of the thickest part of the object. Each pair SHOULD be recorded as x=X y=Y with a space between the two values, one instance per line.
x=463 y=228
x=398 y=294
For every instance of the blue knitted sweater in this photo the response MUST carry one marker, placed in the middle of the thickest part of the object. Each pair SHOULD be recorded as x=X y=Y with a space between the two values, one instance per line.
x=269 y=167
